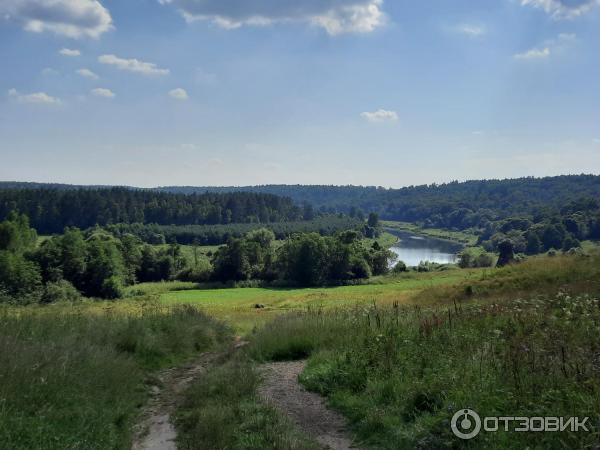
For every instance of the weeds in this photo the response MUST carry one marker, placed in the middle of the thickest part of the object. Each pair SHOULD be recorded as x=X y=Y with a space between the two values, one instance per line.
x=71 y=380
x=399 y=374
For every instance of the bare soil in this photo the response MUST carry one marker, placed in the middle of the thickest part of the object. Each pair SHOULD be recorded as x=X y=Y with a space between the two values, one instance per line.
x=307 y=410
x=156 y=431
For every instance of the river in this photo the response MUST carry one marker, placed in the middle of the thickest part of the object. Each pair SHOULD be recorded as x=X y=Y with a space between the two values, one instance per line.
x=412 y=249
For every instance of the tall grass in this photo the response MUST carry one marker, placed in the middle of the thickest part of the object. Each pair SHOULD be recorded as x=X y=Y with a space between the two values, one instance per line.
x=72 y=380
x=544 y=274
x=400 y=373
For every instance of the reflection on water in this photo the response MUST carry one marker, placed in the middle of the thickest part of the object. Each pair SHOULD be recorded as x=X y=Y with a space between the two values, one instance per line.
x=413 y=249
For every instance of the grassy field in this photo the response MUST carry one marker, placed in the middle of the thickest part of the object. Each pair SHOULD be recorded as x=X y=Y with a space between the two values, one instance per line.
x=394 y=355
x=522 y=341
x=236 y=306
x=73 y=377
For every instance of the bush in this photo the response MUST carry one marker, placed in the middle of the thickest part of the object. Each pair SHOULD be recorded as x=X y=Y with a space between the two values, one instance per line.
x=112 y=288
x=60 y=291
x=400 y=267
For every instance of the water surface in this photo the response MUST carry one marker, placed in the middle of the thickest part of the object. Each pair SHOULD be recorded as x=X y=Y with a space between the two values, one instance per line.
x=412 y=249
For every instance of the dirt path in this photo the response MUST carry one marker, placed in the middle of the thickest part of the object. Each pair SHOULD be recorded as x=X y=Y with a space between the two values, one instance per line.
x=306 y=409
x=155 y=430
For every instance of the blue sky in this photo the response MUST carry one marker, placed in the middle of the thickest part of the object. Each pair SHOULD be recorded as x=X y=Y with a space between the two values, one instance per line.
x=374 y=92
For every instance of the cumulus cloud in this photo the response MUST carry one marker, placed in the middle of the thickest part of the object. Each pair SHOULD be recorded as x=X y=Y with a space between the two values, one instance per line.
x=71 y=18
x=87 y=73
x=69 y=52
x=335 y=16
x=563 y=9
x=381 y=115
x=471 y=30
x=35 y=98
x=103 y=92
x=178 y=94
x=132 y=65
x=534 y=53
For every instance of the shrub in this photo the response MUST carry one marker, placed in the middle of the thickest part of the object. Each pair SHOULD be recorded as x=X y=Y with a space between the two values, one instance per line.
x=400 y=267
x=60 y=291
x=112 y=288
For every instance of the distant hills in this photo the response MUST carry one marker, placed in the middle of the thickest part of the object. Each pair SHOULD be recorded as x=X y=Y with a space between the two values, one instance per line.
x=453 y=205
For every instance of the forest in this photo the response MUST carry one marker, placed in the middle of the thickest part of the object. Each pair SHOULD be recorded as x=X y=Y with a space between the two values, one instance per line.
x=51 y=210
x=324 y=224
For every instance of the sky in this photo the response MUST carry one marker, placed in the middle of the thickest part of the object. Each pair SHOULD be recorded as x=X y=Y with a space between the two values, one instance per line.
x=243 y=92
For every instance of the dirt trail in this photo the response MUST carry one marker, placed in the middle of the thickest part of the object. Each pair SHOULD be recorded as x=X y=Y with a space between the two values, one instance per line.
x=155 y=431
x=306 y=409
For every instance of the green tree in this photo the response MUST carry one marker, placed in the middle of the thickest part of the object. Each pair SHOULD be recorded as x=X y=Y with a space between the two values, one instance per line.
x=16 y=235
x=534 y=244
x=20 y=279
x=104 y=268
x=373 y=220
x=507 y=254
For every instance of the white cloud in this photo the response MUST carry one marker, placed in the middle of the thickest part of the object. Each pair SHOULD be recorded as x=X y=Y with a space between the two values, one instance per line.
x=471 y=30
x=556 y=46
x=69 y=52
x=563 y=9
x=178 y=94
x=36 y=98
x=71 y=18
x=103 y=92
x=335 y=16
x=381 y=115
x=596 y=140
x=132 y=65
x=87 y=73
x=534 y=53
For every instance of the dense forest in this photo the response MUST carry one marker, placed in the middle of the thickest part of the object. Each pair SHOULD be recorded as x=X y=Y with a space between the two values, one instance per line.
x=50 y=210
x=457 y=205
x=325 y=225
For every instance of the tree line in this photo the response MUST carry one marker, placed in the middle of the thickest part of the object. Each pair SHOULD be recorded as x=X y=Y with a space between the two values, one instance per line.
x=51 y=210
x=96 y=263
x=305 y=259
x=326 y=225
x=455 y=205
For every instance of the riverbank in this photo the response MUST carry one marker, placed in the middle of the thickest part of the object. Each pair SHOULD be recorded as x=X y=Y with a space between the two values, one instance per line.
x=461 y=237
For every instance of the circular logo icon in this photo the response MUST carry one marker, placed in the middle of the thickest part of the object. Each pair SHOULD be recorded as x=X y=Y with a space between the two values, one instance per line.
x=466 y=424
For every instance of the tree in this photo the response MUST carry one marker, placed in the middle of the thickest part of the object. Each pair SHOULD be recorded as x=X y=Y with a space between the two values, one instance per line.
x=20 y=279
x=553 y=236
x=231 y=262
x=465 y=259
x=400 y=267
x=303 y=259
x=104 y=269
x=16 y=235
x=507 y=254
x=570 y=242
x=373 y=220
x=534 y=244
